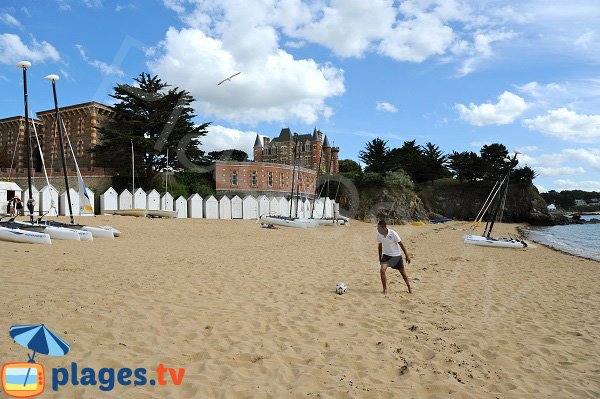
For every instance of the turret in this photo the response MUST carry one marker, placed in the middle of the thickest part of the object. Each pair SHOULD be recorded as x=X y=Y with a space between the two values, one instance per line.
x=258 y=149
x=327 y=167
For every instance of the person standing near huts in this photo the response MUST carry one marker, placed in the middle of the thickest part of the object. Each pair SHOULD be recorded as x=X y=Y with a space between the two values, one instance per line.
x=19 y=206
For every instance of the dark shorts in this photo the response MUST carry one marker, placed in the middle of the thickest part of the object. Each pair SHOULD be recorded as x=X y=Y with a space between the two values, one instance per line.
x=395 y=262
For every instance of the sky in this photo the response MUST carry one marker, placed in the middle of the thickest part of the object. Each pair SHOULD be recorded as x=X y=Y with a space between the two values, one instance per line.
x=457 y=73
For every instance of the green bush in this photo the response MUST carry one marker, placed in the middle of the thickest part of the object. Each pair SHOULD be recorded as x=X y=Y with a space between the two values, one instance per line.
x=398 y=179
x=371 y=179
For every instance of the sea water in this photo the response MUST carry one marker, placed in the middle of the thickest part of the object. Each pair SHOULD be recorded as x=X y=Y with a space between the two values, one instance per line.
x=577 y=239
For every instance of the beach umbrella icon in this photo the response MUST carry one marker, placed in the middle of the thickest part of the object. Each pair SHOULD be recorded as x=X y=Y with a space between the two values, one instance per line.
x=39 y=339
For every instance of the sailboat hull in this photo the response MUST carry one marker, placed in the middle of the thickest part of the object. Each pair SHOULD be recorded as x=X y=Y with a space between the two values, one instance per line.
x=494 y=242
x=58 y=233
x=288 y=222
x=22 y=236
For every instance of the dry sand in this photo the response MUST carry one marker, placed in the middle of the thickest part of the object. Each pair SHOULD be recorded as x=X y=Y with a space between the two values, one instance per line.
x=252 y=313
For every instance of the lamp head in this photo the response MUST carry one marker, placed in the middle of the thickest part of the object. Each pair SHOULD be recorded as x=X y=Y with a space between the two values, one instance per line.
x=52 y=78
x=24 y=64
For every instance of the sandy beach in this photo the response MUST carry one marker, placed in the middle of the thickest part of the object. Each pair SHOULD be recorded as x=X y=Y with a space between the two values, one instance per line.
x=252 y=313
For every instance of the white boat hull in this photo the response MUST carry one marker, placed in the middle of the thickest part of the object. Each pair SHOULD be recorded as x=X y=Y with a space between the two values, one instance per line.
x=22 y=236
x=116 y=233
x=301 y=223
x=99 y=232
x=329 y=222
x=494 y=242
x=131 y=212
x=162 y=214
x=57 y=233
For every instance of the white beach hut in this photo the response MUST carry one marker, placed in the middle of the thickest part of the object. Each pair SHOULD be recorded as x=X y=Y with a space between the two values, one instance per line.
x=319 y=205
x=263 y=205
x=180 y=206
x=49 y=201
x=152 y=200
x=274 y=206
x=237 y=207
x=284 y=206
x=211 y=208
x=125 y=200
x=250 y=207
x=224 y=207
x=194 y=206
x=8 y=190
x=35 y=195
x=63 y=204
x=139 y=199
x=109 y=201
x=307 y=208
x=328 y=208
x=166 y=202
x=92 y=198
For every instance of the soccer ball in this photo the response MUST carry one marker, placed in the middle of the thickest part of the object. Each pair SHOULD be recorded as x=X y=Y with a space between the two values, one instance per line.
x=340 y=288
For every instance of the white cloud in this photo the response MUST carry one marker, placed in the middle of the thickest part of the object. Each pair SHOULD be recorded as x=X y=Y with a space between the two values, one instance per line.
x=481 y=48
x=385 y=107
x=273 y=86
x=417 y=39
x=528 y=148
x=568 y=184
x=9 y=20
x=590 y=157
x=411 y=30
x=102 y=66
x=13 y=50
x=560 y=171
x=221 y=138
x=505 y=111
x=123 y=7
x=64 y=5
x=565 y=124
x=534 y=89
x=92 y=3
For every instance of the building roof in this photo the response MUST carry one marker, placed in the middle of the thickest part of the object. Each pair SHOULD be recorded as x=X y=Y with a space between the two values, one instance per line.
x=19 y=118
x=257 y=142
x=315 y=136
x=75 y=106
x=326 y=143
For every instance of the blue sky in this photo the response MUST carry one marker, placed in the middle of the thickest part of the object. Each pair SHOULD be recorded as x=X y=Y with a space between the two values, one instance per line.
x=457 y=73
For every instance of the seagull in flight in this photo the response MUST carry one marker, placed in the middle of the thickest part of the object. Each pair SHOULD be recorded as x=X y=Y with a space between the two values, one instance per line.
x=228 y=79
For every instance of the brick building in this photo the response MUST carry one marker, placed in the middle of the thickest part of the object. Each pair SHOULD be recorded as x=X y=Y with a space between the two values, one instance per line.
x=313 y=152
x=267 y=178
x=273 y=166
x=81 y=123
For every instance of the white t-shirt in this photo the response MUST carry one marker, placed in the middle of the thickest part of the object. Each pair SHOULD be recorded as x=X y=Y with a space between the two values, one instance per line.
x=390 y=243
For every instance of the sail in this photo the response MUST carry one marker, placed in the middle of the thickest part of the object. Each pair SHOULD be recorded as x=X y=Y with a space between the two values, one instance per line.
x=85 y=205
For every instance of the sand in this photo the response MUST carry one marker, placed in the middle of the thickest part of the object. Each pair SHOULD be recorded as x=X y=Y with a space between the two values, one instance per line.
x=252 y=313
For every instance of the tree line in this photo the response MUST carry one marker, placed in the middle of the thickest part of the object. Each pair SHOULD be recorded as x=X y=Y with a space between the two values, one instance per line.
x=427 y=163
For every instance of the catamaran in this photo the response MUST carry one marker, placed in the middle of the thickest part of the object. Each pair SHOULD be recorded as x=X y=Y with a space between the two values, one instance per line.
x=495 y=203
x=291 y=221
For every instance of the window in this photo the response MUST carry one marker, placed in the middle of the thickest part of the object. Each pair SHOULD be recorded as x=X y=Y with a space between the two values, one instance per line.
x=234 y=178
x=307 y=147
x=80 y=148
x=270 y=179
x=281 y=179
x=254 y=178
x=79 y=126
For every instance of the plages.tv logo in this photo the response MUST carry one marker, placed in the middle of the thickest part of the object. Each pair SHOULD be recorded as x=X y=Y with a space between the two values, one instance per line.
x=27 y=379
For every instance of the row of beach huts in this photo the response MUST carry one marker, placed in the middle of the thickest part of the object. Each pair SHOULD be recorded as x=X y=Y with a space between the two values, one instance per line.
x=223 y=207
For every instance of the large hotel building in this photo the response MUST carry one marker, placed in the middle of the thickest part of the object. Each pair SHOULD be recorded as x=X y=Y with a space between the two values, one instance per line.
x=271 y=171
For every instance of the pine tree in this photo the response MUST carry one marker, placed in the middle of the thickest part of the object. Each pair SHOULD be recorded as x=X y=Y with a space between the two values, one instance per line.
x=155 y=118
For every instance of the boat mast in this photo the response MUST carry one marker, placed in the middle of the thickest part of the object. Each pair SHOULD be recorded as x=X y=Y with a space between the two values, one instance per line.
x=293 y=173
x=53 y=79
x=24 y=65
x=132 y=170
x=312 y=211
x=502 y=199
